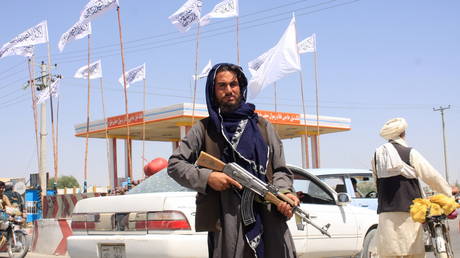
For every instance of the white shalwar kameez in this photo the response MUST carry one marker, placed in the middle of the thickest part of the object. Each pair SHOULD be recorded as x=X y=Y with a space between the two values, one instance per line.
x=397 y=234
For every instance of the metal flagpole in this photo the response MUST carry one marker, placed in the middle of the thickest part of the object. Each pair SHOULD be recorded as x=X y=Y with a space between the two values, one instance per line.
x=143 y=126
x=307 y=160
x=238 y=39
x=85 y=171
x=126 y=95
x=315 y=61
x=196 y=70
x=276 y=106
x=34 y=106
x=106 y=126
x=53 y=134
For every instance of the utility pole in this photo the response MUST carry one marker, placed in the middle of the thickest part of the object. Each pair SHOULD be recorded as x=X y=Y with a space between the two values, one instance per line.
x=43 y=168
x=441 y=109
x=41 y=83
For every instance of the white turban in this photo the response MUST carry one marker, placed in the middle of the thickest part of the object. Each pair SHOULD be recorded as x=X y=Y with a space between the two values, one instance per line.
x=393 y=128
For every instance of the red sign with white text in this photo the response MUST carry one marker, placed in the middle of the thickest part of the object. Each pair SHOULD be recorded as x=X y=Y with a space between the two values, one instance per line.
x=120 y=120
x=280 y=117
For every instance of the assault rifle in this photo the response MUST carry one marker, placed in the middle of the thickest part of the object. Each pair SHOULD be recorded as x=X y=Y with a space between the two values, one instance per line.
x=267 y=191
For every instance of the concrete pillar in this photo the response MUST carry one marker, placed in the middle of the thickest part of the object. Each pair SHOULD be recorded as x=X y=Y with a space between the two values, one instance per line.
x=315 y=151
x=113 y=168
x=183 y=130
x=128 y=172
x=305 y=155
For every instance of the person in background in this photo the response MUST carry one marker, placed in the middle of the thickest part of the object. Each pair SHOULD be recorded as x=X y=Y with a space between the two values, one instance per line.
x=14 y=197
x=398 y=169
x=456 y=193
x=234 y=132
x=4 y=200
x=354 y=182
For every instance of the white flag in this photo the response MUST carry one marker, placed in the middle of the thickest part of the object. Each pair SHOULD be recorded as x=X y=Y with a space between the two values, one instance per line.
x=204 y=72
x=33 y=36
x=186 y=15
x=78 y=31
x=277 y=62
x=95 y=71
x=307 y=45
x=95 y=8
x=49 y=91
x=255 y=64
x=224 y=9
x=27 y=51
x=133 y=75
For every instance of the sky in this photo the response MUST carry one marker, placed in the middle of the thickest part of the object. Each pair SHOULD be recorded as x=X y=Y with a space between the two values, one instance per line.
x=376 y=60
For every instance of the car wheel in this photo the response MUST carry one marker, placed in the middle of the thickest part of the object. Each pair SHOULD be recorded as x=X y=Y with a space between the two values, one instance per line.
x=369 y=249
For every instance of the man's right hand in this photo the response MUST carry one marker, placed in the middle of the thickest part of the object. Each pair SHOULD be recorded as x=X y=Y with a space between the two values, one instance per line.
x=220 y=181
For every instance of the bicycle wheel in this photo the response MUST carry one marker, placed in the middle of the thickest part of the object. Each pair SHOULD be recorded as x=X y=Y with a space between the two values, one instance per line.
x=440 y=243
x=21 y=248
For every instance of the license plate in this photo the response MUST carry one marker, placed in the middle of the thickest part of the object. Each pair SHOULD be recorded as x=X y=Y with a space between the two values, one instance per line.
x=113 y=251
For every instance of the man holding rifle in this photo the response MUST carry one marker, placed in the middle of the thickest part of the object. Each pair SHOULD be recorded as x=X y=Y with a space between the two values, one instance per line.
x=233 y=132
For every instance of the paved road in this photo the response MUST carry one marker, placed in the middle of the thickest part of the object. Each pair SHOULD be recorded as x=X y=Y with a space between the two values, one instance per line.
x=454 y=233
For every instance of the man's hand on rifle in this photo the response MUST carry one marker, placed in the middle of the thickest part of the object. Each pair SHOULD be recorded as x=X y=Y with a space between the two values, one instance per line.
x=220 y=181
x=286 y=209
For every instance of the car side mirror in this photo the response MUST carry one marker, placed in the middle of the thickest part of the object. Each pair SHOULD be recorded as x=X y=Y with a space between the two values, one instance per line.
x=343 y=198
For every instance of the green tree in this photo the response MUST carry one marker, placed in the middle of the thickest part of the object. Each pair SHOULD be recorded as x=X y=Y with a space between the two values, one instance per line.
x=63 y=182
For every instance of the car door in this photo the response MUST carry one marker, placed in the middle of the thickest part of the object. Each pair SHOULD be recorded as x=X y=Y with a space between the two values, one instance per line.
x=318 y=200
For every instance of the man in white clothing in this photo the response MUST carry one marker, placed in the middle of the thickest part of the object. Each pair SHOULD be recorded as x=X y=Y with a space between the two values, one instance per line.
x=398 y=169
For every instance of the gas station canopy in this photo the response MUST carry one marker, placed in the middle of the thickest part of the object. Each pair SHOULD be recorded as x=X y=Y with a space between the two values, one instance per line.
x=164 y=124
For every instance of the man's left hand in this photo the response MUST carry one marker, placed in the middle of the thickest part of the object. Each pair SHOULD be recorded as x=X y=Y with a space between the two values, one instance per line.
x=286 y=209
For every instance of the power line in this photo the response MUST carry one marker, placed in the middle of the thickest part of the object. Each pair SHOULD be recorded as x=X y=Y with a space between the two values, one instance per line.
x=214 y=23
x=180 y=39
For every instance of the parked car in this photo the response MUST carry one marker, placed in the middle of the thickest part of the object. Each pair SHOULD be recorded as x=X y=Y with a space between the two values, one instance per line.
x=156 y=219
x=357 y=183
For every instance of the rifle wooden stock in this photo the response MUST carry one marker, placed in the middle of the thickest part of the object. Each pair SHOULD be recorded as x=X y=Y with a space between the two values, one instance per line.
x=286 y=199
x=208 y=161
x=272 y=198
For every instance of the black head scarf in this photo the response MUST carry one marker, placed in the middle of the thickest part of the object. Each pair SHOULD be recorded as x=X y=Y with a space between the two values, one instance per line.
x=252 y=146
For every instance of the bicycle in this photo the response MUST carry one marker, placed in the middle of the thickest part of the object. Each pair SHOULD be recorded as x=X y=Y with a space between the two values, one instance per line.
x=439 y=239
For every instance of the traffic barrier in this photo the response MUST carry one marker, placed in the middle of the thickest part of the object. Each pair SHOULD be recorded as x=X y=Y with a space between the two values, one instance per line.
x=50 y=236
x=61 y=206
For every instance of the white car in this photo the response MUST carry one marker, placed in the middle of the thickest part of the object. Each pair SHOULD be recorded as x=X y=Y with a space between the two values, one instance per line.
x=156 y=219
x=342 y=179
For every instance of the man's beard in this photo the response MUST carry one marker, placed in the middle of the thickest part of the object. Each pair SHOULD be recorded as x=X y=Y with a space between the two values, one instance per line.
x=226 y=107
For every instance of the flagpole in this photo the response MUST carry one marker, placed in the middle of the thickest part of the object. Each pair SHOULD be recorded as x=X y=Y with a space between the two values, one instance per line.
x=196 y=70
x=53 y=135
x=125 y=93
x=85 y=171
x=238 y=39
x=307 y=159
x=143 y=126
x=106 y=126
x=274 y=88
x=34 y=106
x=315 y=61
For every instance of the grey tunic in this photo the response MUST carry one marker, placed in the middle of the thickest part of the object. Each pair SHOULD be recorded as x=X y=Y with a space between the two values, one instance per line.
x=230 y=242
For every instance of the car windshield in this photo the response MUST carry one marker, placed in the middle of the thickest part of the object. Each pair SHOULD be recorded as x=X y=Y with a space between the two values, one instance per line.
x=159 y=182
x=365 y=185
